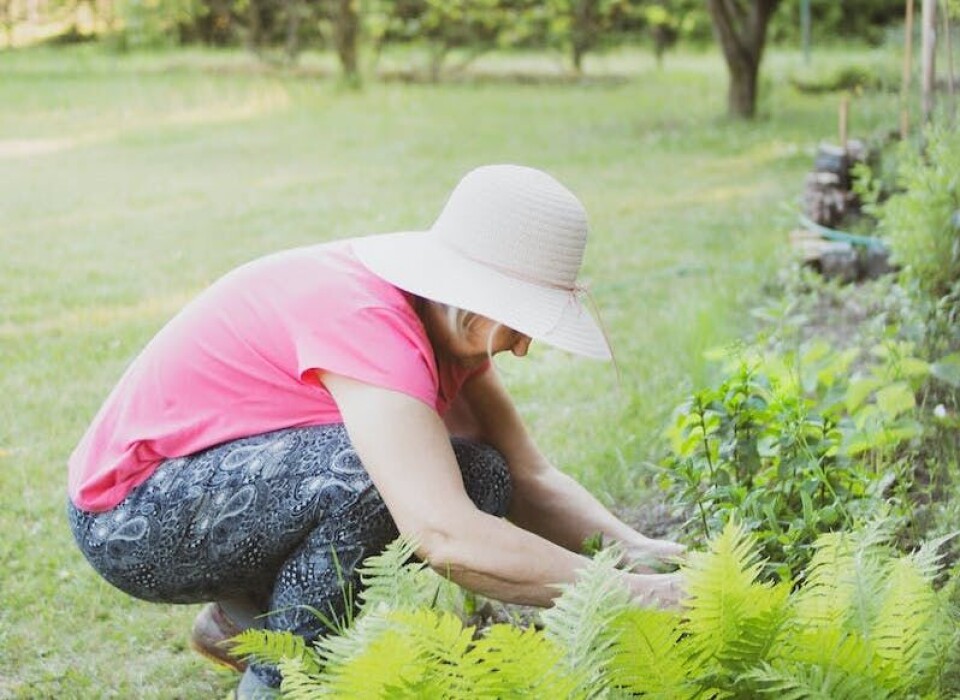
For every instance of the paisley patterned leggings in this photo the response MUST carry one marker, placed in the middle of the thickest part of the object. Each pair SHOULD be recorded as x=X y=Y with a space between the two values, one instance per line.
x=281 y=520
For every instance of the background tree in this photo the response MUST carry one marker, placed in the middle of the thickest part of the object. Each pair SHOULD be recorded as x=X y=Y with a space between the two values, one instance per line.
x=472 y=26
x=669 y=21
x=346 y=37
x=741 y=28
x=582 y=26
x=6 y=22
x=867 y=20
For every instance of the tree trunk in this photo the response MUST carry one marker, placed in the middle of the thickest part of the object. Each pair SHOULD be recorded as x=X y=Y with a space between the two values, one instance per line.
x=346 y=30
x=577 y=58
x=292 y=43
x=583 y=31
x=742 y=91
x=6 y=22
x=928 y=55
x=741 y=28
x=255 y=27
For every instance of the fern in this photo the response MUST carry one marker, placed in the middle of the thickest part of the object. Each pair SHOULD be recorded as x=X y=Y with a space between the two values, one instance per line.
x=867 y=614
x=799 y=681
x=340 y=649
x=523 y=663
x=845 y=579
x=865 y=624
x=443 y=645
x=371 y=658
x=300 y=682
x=900 y=632
x=830 y=648
x=581 y=617
x=439 y=659
x=649 y=658
x=391 y=579
x=270 y=647
x=732 y=618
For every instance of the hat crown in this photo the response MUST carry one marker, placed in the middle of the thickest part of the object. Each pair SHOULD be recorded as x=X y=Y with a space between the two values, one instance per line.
x=519 y=221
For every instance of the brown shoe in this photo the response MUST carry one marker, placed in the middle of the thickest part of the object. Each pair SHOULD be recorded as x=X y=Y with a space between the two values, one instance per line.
x=211 y=634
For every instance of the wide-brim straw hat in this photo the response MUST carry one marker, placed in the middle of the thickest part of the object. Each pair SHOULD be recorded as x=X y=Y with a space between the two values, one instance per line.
x=508 y=245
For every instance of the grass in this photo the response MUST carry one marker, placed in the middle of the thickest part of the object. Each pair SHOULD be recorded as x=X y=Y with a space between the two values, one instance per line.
x=131 y=183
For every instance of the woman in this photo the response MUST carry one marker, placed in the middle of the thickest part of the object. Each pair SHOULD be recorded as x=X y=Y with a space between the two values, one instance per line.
x=311 y=405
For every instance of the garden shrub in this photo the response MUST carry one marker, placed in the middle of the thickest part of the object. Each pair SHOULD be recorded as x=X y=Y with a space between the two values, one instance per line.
x=853 y=77
x=795 y=444
x=922 y=222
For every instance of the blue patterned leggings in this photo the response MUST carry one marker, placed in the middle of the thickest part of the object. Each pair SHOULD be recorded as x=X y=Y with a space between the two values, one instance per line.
x=281 y=520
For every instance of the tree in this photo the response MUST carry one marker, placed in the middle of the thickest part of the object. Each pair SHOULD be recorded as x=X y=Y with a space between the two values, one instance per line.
x=346 y=34
x=741 y=28
x=582 y=26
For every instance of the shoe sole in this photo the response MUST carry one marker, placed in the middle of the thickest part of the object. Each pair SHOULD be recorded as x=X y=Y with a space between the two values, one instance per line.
x=219 y=657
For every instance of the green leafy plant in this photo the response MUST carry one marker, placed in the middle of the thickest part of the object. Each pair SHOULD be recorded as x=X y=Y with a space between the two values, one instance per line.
x=794 y=444
x=922 y=222
x=410 y=641
x=864 y=622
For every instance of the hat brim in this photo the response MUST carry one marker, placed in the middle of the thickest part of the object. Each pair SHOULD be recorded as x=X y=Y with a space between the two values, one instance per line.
x=417 y=262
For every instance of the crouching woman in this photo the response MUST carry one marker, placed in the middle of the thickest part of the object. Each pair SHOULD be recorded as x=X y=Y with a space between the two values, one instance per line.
x=313 y=404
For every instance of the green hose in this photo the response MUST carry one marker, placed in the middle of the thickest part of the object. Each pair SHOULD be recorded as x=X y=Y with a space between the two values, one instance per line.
x=832 y=234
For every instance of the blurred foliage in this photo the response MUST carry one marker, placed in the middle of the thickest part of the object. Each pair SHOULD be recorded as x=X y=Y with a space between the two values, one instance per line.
x=922 y=220
x=852 y=77
x=797 y=444
x=282 y=28
x=866 y=20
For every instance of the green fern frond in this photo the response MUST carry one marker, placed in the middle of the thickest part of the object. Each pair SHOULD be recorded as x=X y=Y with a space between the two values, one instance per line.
x=905 y=627
x=522 y=663
x=799 y=681
x=761 y=627
x=929 y=558
x=270 y=647
x=648 y=657
x=373 y=657
x=390 y=578
x=300 y=682
x=846 y=653
x=426 y=653
x=845 y=580
x=442 y=644
x=581 y=616
x=731 y=616
x=340 y=649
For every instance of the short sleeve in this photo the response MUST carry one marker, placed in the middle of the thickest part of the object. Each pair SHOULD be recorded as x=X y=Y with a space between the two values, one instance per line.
x=376 y=345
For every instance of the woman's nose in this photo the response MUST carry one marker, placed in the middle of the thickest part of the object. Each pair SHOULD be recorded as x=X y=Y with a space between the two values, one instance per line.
x=521 y=347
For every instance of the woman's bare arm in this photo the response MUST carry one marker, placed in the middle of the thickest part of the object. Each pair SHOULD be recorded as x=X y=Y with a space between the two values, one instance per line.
x=546 y=501
x=405 y=447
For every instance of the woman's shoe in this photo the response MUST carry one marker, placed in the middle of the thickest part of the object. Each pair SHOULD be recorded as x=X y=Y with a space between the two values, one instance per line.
x=211 y=635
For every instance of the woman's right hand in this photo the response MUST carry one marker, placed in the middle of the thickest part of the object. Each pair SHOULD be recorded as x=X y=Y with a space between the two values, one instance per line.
x=664 y=591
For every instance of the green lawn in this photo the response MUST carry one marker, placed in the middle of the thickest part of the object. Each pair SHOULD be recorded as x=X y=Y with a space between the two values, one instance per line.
x=128 y=184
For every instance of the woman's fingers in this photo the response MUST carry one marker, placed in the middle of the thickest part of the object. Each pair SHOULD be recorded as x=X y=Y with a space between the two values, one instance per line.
x=664 y=591
x=650 y=556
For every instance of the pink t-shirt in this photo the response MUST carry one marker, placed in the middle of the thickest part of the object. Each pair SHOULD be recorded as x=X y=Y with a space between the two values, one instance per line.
x=239 y=360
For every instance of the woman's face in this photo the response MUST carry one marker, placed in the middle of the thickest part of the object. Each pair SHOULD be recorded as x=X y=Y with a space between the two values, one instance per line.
x=483 y=338
x=478 y=340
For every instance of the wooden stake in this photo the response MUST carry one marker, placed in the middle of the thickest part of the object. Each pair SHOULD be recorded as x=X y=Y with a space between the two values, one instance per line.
x=907 y=71
x=928 y=19
x=951 y=88
x=805 y=29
